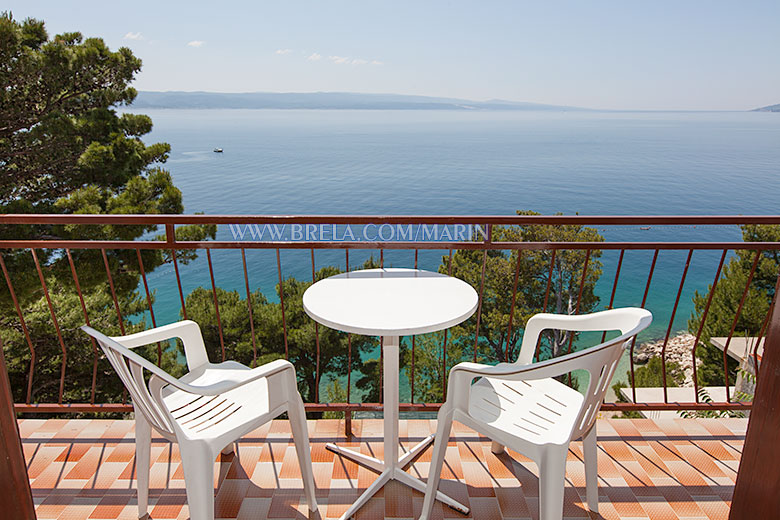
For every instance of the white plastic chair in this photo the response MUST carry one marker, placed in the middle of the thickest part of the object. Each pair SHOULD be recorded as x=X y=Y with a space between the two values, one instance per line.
x=205 y=411
x=519 y=405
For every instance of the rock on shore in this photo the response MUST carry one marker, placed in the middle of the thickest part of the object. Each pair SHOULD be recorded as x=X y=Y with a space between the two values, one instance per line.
x=678 y=350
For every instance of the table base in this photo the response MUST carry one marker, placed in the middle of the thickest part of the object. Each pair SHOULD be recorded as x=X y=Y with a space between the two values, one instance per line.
x=393 y=467
x=390 y=472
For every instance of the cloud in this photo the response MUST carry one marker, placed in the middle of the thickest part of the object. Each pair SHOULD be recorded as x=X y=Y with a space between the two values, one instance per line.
x=195 y=43
x=346 y=60
x=283 y=51
x=133 y=36
x=315 y=57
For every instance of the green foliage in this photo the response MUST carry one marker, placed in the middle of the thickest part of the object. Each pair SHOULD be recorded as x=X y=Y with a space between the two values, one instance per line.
x=335 y=393
x=64 y=149
x=429 y=370
x=533 y=275
x=368 y=382
x=740 y=395
x=651 y=374
x=704 y=397
x=629 y=414
x=710 y=370
x=533 y=272
x=648 y=376
x=236 y=328
x=302 y=333
x=81 y=356
x=57 y=131
x=726 y=299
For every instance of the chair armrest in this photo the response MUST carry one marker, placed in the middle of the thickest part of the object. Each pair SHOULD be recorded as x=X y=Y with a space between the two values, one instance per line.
x=228 y=384
x=188 y=331
x=462 y=374
x=624 y=320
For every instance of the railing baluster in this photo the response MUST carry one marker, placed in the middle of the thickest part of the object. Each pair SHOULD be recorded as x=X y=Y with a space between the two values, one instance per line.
x=549 y=280
x=249 y=304
x=178 y=282
x=479 y=303
x=444 y=345
x=381 y=344
x=734 y=323
x=348 y=414
x=546 y=297
x=703 y=320
x=56 y=324
x=86 y=320
x=281 y=303
x=116 y=307
x=316 y=340
x=216 y=305
x=113 y=292
x=633 y=341
x=24 y=328
x=762 y=332
x=149 y=301
x=671 y=323
x=579 y=297
x=614 y=288
x=512 y=306
x=413 y=341
x=579 y=300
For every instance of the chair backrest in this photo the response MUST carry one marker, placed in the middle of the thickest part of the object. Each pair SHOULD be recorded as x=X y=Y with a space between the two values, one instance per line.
x=602 y=360
x=130 y=368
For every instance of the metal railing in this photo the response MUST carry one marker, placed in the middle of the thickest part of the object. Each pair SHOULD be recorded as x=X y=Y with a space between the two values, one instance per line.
x=484 y=242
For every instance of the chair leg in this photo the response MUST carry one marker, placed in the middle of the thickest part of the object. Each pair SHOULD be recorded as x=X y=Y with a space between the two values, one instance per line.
x=552 y=479
x=444 y=420
x=230 y=448
x=590 y=454
x=143 y=448
x=197 y=461
x=300 y=434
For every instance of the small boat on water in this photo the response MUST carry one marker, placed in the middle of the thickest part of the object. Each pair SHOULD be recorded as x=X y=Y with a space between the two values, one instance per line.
x=644 y=228
x=217 y=150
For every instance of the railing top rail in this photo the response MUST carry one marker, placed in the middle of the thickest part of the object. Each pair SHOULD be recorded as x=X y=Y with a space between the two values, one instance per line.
x=614 y=220
x=249 y=244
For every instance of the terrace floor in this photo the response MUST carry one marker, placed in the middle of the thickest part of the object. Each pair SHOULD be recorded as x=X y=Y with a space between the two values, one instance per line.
x=662 y=469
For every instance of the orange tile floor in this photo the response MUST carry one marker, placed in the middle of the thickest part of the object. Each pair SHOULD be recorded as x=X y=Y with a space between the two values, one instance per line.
x=683 y=468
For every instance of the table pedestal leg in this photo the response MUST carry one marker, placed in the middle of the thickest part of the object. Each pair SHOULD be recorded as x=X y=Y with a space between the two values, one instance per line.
x=392 y=468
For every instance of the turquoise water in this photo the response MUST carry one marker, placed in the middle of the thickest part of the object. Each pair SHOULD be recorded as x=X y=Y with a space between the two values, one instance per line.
x=421 y=162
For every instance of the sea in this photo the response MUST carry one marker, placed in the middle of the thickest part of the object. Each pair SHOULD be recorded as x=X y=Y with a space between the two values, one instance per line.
x=388 y=162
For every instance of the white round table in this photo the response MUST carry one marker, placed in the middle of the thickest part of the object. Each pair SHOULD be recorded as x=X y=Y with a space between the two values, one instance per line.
x=390 y=303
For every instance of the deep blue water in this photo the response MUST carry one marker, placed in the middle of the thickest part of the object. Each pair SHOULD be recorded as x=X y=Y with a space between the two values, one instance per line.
x=437 y=162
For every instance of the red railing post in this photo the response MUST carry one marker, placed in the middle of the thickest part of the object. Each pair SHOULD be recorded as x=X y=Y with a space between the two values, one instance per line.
x=758 y=479
x=14 y=481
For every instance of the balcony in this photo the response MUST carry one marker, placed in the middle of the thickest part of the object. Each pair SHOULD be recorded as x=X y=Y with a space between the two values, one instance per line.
x=684 y=468
x=659 y=466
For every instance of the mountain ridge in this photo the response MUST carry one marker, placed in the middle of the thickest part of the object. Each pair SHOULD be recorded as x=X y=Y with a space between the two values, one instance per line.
x=768 y=108
x=326 y=100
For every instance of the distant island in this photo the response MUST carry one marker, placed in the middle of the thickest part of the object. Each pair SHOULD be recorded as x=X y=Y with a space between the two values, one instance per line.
x=326 y=100
x=770 y=108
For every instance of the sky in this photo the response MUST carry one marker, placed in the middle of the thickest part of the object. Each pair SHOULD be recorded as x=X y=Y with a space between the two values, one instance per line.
x=651 y=55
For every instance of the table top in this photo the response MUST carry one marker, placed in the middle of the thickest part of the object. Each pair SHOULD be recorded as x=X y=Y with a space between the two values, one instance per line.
x=390 y=302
